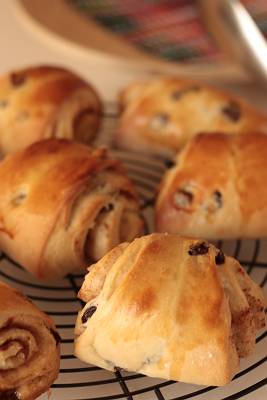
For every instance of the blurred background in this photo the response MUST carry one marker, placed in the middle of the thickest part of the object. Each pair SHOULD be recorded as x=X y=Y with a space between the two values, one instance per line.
x=113 y=42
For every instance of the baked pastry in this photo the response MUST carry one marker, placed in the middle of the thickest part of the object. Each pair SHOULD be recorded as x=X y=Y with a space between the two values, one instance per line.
x=216 y=189
x=62 y=204
x=169 y=307
x=29 y=347
x=161 y=115
x=45 y=101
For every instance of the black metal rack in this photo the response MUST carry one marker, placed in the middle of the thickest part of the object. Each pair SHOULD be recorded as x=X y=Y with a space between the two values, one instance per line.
x=78 y=381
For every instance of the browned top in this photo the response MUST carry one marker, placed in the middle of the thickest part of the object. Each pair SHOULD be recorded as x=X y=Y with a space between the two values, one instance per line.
x=160 y=303
x=40 y=183
x=217 y=188
x=33 y=85
x=31 y=100
x=55 y=167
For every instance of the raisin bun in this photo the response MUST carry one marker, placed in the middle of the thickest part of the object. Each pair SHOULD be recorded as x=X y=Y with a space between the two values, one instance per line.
x=160 y=116
x=216 y=188
x=62 y=204
x=46 y=101
x=170 y=307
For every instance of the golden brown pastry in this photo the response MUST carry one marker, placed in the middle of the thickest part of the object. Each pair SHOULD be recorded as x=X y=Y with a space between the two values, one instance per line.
x=29 y=347
x=45 y=101
x=161 y=115
x=216 y=189
x=61 y=204
x=169 y=307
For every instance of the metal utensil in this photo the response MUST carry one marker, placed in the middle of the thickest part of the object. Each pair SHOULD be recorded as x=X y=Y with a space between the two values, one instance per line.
x=236 y=32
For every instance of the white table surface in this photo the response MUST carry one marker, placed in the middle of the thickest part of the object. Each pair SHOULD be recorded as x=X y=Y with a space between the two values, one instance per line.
x=24 y=43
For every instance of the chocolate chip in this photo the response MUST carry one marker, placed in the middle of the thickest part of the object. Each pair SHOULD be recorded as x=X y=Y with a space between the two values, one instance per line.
x=169 y=163
x=17 y=79
x=159 y=120
x=232 y=111
x=9 y=395
x=183 y=198
x=220 y=258
x=88 y=313
x=218 y=198
x=56 y=336
x=177 y=94
x=198 y=249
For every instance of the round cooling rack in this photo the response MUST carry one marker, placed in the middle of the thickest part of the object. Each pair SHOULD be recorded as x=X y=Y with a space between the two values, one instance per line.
x=79 y=381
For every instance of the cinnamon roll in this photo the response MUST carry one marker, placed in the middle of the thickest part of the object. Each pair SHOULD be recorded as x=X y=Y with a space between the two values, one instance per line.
x=29 y=348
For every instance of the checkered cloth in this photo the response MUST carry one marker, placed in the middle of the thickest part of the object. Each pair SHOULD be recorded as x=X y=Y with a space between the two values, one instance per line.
x=170 y=29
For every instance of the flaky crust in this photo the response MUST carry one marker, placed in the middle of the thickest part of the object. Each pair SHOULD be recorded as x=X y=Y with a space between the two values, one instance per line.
x=61 y=204
x=29 y=347
x=161 y=115
x=160 y=306
x=216 y=189
x=45 y=101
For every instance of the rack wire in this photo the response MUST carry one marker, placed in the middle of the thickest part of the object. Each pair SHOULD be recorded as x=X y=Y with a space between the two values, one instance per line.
x=79 y=381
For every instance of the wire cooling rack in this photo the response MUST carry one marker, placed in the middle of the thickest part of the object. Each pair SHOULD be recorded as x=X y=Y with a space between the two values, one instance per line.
x=79 y=381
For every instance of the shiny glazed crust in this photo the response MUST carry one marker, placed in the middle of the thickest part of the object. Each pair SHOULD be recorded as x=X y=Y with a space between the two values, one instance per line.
x=216 y=189
x=29 y=347
x=45 y=101
x=168 y=307
x=61 y=204
x=160 y=116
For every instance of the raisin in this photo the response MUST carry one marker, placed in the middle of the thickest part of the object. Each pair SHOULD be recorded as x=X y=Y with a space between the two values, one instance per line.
x=232 y=111
x=118 y=369
x=218 y=198
x=3 y=103
x=169 y=163
x=220 y=258
x=56 y=336
x=159 y=120
x=176 y=95
x=17 y=79
x=88 y=313
x=9 y=395
x=109 y=207
x=19 y=199
x=198 y=249
x=183 y=198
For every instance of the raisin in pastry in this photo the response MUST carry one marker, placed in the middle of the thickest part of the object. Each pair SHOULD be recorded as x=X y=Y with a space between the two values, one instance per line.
x=63 y=204
x=217 y=190
x=160 y=116
x=46 y=101
x=163 y=307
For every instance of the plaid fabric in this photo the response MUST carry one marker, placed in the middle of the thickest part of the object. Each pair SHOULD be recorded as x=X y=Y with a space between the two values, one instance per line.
x=170 y=29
